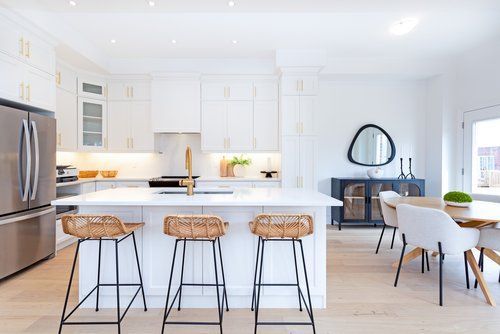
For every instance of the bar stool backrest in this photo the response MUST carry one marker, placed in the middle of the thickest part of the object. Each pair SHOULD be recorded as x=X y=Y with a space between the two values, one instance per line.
x=282 y=225
x=93 y=226
x=194 y=226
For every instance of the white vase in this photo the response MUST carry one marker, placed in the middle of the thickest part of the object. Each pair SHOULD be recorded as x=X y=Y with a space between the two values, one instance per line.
x=375 y=173
x=239 y=170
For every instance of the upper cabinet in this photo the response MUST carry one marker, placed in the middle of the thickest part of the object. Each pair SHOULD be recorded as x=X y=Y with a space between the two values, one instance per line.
x=122 y=90
x=66 y=78
x=92 y=87
x=67 y=120
x=299 y=85
x=298 y=115
x=175 y=104
x=228 y=90
x=92 y=124
x=265 y=91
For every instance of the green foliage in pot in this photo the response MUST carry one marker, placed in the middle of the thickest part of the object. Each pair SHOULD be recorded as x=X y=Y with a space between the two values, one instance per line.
x=457 y=197
x=241 y=160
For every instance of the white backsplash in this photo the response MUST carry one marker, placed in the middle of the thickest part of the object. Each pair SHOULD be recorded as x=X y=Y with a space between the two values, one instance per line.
x=169 y=160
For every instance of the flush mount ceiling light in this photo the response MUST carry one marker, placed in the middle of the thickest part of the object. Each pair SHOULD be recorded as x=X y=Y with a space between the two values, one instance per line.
x=113 y=41
x=174 y=41
x=231 y=3
x=151 y=3
x=403 y=26
x=72 y=3
x=235 y=41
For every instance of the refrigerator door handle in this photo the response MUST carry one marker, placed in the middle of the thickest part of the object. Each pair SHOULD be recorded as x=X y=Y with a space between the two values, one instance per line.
x=25 y=191
x=28 y=216
x=37 y=160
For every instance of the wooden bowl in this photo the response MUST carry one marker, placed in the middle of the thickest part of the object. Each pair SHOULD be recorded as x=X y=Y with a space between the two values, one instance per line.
x=87 y=173
x=108 y=173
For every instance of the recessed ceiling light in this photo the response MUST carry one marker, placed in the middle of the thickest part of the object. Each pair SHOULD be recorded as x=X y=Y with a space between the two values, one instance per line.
x=151 y=3
x=231 y=3
x=113 y=41
x=403 y=26
x=174 y=41
x=235 y=41
x=72 y=3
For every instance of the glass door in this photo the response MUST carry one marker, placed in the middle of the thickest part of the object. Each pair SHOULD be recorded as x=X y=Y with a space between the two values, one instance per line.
x=92 y=87
x=409 y=189
x=375 y=189
x=355 y=202
x=92 y=124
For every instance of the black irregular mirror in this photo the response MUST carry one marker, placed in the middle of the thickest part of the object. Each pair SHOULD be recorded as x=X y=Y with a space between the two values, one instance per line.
x=371 y=146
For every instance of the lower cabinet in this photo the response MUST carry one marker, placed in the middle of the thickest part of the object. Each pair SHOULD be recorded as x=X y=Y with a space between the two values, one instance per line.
x=104 y=185
x=238 y=184
x=361 y=197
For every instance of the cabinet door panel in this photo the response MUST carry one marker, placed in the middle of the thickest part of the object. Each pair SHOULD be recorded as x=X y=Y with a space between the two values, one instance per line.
x=92 y=124
x=92 y=87
x=213 y=126
x=308 y=157
x=117 y=90
x=266 y=91
x=266 y=126
x=290 y=155
x=10 y=39
x=140 y=90
x=307 y=106
x=290 y=85
x=40 y=88
x=119 y=125
x=12 y=77
x=309 y=85
x=67 y=120
x=240 y=91
x=66 y=79
x=142 y=132
x=39 y=54
x=290 y=115
x=213 y=91
x=240 y=125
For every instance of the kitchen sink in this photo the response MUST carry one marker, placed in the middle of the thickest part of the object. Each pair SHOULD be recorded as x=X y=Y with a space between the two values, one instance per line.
x=196 y=192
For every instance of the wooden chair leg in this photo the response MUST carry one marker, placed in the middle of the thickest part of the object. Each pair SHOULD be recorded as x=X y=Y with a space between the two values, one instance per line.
x=480 y=278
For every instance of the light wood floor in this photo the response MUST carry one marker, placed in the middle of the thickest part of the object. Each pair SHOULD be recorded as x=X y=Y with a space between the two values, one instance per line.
x=361 y=297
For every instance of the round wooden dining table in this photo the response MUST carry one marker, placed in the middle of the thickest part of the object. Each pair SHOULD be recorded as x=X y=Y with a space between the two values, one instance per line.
x=478 y=215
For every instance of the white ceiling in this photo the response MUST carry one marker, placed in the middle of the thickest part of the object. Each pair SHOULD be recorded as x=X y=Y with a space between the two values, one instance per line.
x=206 y=28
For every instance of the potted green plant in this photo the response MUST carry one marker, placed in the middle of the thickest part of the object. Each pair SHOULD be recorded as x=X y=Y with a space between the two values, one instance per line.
x=239 y=164
x=457 y=198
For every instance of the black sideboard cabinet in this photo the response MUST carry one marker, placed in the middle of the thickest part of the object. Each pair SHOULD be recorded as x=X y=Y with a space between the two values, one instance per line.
x=361 y=200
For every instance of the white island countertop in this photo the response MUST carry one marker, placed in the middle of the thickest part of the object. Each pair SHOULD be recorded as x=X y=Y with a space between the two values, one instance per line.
x=218 y=197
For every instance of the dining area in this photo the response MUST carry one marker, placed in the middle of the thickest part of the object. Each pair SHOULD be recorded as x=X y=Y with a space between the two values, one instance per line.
x=441 y=230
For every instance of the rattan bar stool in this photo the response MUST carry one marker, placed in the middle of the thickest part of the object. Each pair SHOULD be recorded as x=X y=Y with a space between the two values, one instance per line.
x=195 y=228
x=101 y=228
x=282 y=228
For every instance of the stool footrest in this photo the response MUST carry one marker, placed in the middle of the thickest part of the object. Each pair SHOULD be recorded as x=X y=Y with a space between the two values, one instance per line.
x=285 y=323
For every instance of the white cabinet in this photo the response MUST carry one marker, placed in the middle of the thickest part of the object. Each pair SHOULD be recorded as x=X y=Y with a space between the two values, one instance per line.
x=11 y=41
x=221 y=91
x=237 y=184
x=138 y=90
x=67 y=120
x=92 y=87
x=11 y=79
x=298 y=115
x=299 y=155
x=175 y=105
x=265 y=91
x=92 y=124
x=104 y=185
x=39 y=54
x=129 y=126
x=266 y=126
x=66 y=78
x=299 y=85
x=227 y=126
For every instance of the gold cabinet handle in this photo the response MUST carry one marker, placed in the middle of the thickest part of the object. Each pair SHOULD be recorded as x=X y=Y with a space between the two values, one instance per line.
x=302 y=182
x=301 y=127
x=128 y=95
x=21 y=46
x=254 y=142
x=128 y=142
x=28 y=92
x=59 y=139
x=58 y=77
x=28 y=49
x=254 y=91
x=21 y=90
x=132 y=92
x=132 y=142
x=301 y=85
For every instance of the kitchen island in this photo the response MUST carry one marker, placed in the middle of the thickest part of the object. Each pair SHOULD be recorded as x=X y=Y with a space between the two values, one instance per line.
x=239 y=246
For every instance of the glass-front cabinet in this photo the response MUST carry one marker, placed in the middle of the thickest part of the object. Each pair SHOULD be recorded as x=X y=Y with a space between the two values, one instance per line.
x=360 y=197
x=92 y=125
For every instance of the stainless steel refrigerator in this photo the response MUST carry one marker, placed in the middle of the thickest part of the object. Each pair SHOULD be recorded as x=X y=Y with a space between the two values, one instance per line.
x=27 y=186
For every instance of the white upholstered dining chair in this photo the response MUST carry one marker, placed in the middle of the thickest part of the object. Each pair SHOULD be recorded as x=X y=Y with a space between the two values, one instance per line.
x=388 y=214
x=434 y=230
x=489 y=238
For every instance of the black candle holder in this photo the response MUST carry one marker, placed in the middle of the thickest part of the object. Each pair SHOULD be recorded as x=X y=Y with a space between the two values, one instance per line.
x=410 y=174
x=402 y=174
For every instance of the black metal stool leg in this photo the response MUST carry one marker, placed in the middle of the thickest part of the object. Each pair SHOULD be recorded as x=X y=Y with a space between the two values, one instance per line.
x=139 y=271
x=296 y=274
x=427 y=260
x=423 y=260
x=165 y=313
x=441 y=256
x=257 y=298
x=117 y=287
x=255 y=274
x=466 y=271
x=220 y=306
x=182 y=274
x=69 y=286
x=223 y=275
x=307 y=286
x=98 y=276
x=393 y=236
x=380 y=239
x=400 y=261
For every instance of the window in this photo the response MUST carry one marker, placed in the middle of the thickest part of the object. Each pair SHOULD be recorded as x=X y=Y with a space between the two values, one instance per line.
x=482 y=151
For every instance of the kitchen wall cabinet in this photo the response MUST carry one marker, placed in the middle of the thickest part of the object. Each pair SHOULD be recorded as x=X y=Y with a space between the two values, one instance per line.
x=227 y=126
x=66 y=78
x=67 y=120
x=299 y=156
x=266 y=126
x=230 y=90
x=92 y=87
x=298 y=115
x=175 y=105
x=265 y=91
x=299 y=85
x=129 y=126
x=92 y=124
x=138 y=90
x=11 y=80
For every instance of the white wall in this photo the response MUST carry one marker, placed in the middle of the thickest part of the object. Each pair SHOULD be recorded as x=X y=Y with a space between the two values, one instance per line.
x=398 y=106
